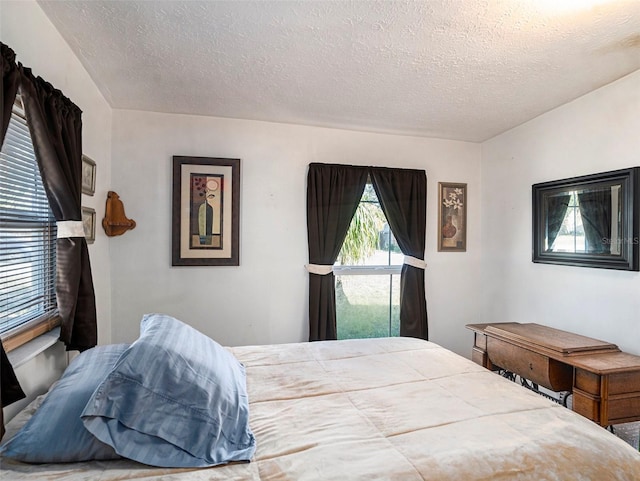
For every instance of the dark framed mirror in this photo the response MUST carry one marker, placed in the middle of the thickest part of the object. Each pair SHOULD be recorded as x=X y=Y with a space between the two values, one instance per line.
x=588 y=221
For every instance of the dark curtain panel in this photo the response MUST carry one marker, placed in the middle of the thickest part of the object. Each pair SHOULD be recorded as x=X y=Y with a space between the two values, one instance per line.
x=403 y=198
x=333 y=194
x=556 y=210
x=10 y=390
x=595 y=209
x=10 y=80
x=55 y=124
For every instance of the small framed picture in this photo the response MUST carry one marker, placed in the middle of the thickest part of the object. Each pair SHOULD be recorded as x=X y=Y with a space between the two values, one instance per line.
x=452 y=217
x=89 y=224
x=88 y=176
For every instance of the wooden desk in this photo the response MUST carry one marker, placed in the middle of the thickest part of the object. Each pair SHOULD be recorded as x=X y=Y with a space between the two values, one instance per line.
x=605 y=382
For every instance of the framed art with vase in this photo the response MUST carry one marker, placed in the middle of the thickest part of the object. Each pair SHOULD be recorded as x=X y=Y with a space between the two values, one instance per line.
x=452 y=217
x=206 y=211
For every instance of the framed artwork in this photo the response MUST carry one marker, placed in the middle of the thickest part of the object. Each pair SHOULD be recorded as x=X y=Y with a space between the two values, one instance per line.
x=88 y=176
x=206 y=211
x=452 y=217
x=89 y=224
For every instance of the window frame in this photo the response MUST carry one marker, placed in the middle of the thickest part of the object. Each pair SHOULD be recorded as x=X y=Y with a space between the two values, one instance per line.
x=371 y=270
x=25 y=332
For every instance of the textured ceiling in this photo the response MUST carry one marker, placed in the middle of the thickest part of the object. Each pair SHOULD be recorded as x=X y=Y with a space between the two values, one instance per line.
x=456 y=69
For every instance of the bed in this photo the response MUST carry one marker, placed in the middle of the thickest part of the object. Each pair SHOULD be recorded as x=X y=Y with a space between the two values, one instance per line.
x=388 y=409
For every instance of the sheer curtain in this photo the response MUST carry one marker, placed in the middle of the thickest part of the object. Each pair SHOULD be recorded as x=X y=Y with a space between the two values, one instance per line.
x=333 y=195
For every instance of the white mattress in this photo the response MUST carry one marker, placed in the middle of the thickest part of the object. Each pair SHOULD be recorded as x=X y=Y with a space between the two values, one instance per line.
x=386 y=409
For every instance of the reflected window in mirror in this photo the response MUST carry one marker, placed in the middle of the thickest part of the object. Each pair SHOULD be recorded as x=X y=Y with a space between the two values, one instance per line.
x=584 y=221
x=588 y=221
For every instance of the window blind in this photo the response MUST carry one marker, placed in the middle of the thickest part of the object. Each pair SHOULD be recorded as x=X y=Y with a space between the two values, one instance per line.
x=27 y=232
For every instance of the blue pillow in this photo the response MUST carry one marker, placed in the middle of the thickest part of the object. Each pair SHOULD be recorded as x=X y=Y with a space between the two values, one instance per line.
x=55 y=433
x=176 y=398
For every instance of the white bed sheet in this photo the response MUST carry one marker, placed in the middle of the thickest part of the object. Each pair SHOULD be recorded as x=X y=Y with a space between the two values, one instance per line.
x=385 y=409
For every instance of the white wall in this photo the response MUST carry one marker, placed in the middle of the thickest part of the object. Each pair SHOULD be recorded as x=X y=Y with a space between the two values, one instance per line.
x=38 y=45
x=264 y=300
x=595 y=133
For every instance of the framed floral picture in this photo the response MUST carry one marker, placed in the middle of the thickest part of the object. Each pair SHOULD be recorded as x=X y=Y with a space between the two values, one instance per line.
x=206 y=211
x=452 y=217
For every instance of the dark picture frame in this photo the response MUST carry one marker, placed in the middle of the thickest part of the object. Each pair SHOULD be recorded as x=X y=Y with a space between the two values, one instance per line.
x=206 y=211
x=452 y=217
x=89 y=224
x=607 y=203
x=88 y=176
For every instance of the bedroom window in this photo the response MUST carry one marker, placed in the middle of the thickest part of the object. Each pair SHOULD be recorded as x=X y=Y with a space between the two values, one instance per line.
x=27 y=239
x=367 y=275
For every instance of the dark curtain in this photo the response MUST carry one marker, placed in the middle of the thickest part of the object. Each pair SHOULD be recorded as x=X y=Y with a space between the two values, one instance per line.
x=55 y=124
x=556 y=210
x=10 y=80
x=595 y=209
x=403 y=197
x=10 y=390
x=333 y=195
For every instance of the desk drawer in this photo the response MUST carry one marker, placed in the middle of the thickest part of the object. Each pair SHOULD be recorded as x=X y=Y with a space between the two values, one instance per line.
x=618 y=409
x=535 y=367
x=624 y=409
x=480 y=341
x=617 y=383
x=588 y=382
x=587 y=405
x=479 y=357
x=624 y=382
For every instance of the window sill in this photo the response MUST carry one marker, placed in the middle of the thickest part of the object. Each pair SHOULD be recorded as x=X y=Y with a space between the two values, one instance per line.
x=24 y=353
x=29 y=331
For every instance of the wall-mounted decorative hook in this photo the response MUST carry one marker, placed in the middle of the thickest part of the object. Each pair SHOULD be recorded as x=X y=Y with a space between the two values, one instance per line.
x=115 y=222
